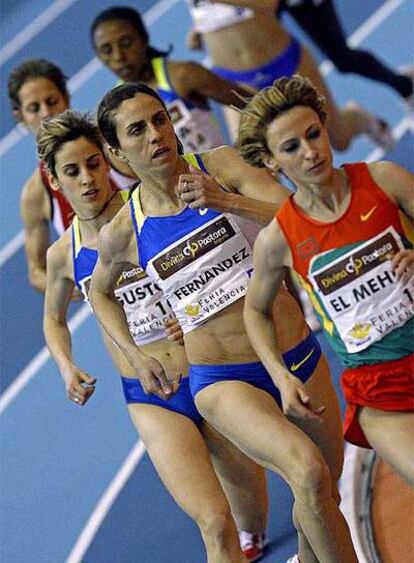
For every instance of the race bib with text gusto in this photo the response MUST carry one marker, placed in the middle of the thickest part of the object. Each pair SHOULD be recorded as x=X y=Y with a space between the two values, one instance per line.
x=205 y=271
x=144 y=305
x=360 y=292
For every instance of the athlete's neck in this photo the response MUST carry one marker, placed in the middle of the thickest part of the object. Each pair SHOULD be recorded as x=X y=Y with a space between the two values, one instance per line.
x=89 y=229
x=159 y=189
x=325 y=197
x=146 y=74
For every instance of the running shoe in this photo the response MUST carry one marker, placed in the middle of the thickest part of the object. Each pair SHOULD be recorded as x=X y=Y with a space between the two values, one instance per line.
x=294 y=559
x=253 y=545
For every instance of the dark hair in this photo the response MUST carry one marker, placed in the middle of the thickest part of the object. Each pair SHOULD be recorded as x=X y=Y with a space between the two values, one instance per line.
x=57 y=130
x=29 y=70
x=111 y=102
x=124 y=13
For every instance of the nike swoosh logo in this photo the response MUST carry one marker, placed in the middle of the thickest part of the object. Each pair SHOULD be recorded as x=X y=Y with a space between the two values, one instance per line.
x=366 y=216
x=295 y=367
x=203 y=210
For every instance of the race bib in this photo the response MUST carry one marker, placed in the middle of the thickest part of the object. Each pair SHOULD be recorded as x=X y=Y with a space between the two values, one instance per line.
x=144 y=304
x=361 y=294
x=205 y=272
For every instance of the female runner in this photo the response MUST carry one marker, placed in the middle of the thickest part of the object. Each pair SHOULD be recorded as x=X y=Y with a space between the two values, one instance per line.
x=346 y=234
x=202 y=261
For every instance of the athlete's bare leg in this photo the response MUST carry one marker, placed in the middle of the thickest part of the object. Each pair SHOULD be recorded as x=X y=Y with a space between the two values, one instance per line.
x=391 y=436
x=243 y=481
x=284 y=448
x=180 y=456
x=327 y=436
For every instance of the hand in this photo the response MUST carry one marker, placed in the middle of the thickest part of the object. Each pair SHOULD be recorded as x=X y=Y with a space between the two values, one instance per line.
x=403 y=265
x=200 y=190
x=154 y=379
x=296 y=402
x=194 y=40
x=174 y=331
x=79 y=386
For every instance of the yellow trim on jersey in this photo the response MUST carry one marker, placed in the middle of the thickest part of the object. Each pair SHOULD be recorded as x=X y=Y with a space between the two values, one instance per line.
x=327 y=324
x=137 y=208
x=76 y=236
x=124 y=195
x=158 y=66
x=191 y=159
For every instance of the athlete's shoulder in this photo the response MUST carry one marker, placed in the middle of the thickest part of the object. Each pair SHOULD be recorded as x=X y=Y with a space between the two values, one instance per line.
x=34 y=198
x=393 y=179
x=220 y=158
x=34 y=188
x=271 y=243
x=384 y=170
x=185 y=76
x=59 y=254
x=115 y=236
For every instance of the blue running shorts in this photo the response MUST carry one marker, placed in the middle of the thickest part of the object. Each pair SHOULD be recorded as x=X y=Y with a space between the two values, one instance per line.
x=300 y=360
x=285 y=64
x=182 y=402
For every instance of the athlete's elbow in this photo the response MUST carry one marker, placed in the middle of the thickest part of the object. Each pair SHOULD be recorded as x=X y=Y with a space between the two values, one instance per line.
x=37 y=279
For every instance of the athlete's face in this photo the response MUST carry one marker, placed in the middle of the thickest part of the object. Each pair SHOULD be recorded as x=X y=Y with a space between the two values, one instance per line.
x=121 y=49
x=299 y=146
x=145 y=133
x=39 y=98
x=82 y=175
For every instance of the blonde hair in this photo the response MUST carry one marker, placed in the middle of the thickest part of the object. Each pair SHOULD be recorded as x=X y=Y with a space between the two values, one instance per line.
x=285 y=94
x=59 y=129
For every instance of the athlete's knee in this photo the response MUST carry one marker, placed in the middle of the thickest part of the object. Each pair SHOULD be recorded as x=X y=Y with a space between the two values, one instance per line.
x=311 y=484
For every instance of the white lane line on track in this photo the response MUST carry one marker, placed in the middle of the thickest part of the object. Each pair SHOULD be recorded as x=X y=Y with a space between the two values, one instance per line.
x=105 y=503
x=34 y=28
x=11 y=247
x=375 y=20
x=33 y=367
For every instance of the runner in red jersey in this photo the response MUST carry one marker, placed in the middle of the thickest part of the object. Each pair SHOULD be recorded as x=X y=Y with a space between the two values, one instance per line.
x=346 y=234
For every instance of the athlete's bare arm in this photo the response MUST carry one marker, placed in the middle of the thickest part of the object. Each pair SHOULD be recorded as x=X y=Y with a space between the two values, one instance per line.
x=59 y=288
x=195 y=83
x=35 y=214
x=270 y=258
x=116 y=248
x=233 y=186
x=398 y=183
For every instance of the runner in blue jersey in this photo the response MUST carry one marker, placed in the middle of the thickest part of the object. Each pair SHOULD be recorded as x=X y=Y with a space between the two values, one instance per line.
x=201 y=258
x=122 y=43
x=172 y=430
